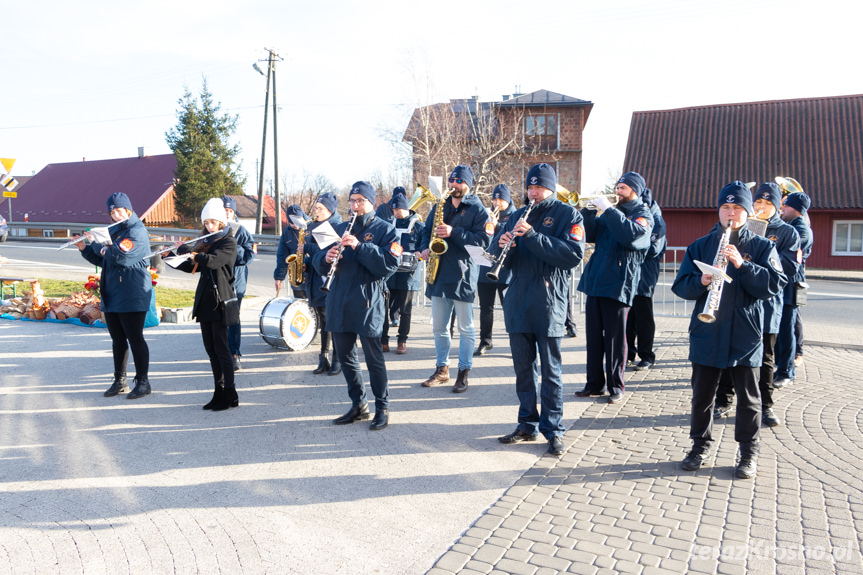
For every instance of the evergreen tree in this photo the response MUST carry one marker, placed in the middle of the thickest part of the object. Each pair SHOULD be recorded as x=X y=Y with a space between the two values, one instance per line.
x=205 y=159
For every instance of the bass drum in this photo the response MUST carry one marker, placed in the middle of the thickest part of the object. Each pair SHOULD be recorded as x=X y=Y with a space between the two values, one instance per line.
x=288 y=323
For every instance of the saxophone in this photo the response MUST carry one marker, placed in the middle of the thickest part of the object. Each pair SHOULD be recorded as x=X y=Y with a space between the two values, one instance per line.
x=295 y=262
x=714 y=294
x=437 y=246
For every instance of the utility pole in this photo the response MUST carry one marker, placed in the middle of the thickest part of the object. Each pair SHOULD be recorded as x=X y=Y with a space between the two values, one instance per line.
x=271 y=72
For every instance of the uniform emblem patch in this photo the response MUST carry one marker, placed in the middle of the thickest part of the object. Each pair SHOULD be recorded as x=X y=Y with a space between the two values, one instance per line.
x=576 y=232
x=773 y=239
x=395 y=249
x=799 y=256
x=368 y=237
x=774 y=263
x=489 y=228
x=747 y=257
x=641 y=222
x=548 y=222
x=126 y=245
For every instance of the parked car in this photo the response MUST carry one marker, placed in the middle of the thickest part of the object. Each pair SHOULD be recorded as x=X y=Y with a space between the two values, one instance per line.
x=4 y=229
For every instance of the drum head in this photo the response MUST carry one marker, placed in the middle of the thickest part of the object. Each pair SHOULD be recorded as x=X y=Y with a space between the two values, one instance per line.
x=288 y=323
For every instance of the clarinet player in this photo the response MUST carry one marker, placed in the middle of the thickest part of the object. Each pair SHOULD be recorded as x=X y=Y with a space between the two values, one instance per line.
x=732 y=341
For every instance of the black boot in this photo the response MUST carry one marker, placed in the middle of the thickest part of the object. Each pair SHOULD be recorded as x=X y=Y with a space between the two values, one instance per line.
x=119 y=386
x=218 y=392
x=142 y=388
x=381 y=420
x=335 y=366
x=228 y=399
x=323 y=364
x=357 y=413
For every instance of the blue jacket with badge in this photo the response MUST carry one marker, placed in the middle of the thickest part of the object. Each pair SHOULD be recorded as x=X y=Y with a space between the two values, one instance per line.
x=314 y=281
x=653 y=258
x=622 y=237
x=245 y=255
x=805 y=234
x=409 y=232
x=506 y=273
x=125 y=284
x=541 y=263
x=458 y=274
x=735 y=338
x=355 y=302
x=787 y=241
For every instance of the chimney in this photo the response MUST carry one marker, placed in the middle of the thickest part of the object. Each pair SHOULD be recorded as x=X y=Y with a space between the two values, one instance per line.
x=505 y=97
x=143 y=152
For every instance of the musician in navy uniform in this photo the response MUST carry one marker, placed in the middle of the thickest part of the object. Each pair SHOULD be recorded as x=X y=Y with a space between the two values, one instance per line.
x=325 y=210
x=621 y=235
x=501 y=200
x=288 y=244
x=245 y=255
x=766 y=206
x=546 y=248
x=794 y=213
x=403 y=285
x=731 y=342
x=355 y=302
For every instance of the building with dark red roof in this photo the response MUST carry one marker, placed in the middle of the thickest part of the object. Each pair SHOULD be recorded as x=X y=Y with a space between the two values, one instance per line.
x=686 y=156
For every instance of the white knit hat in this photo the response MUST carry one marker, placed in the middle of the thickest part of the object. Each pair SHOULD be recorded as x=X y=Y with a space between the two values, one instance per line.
x=214 y=209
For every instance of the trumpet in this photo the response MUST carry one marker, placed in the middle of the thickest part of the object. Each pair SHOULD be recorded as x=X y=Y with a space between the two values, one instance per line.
x=494 y=274
x=329 y=281
x=577 y=201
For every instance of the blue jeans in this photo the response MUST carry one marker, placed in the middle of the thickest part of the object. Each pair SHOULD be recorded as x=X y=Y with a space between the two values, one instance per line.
x=234 y=331
x=524 y=347
x=441 y=312
x=786 y=344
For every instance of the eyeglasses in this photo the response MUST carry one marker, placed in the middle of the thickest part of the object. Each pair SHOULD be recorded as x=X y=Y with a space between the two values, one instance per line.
x=357 y=202
x=456 y=181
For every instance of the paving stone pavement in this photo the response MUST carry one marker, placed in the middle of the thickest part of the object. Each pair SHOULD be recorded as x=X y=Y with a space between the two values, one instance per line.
x=107 y=485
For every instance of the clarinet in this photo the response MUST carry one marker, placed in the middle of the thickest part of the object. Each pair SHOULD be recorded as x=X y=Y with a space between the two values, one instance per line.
x=329 y=281
x=714 y=292
x=494 y=274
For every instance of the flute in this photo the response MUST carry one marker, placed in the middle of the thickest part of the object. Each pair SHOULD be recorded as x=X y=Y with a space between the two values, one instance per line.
x=329 y=281
x=172 y=247
x=83 y=237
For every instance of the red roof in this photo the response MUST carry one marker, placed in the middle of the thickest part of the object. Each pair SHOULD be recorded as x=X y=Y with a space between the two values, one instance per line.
x=687 y=155
x=76 y=191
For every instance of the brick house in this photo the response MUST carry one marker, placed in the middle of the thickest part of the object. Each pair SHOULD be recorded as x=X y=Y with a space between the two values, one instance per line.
x=500 y=140
x=687 y=155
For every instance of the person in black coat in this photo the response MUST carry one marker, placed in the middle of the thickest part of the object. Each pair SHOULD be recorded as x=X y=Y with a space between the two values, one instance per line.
x=245 y=254
x=547 y=246
x=501 y=200
x=215 y=305
x=126 y=289
x=355 y=301
x=732 y=341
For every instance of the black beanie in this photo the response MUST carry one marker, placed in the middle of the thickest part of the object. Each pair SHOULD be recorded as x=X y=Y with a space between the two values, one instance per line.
x=736 y=193
x=799 y=201
x=770 y=192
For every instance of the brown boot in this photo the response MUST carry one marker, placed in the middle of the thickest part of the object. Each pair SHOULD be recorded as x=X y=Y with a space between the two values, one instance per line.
x=440 y=375
x=461 y=381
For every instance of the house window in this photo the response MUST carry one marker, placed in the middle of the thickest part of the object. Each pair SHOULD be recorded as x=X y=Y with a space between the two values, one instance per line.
x=47 y=233
x=848 y=238
x=540 y=130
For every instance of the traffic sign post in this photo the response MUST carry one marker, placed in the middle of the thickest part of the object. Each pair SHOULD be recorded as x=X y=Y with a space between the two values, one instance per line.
x=8 y=183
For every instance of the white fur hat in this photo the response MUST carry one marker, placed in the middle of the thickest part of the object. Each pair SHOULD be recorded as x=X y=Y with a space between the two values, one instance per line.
x=214 y=209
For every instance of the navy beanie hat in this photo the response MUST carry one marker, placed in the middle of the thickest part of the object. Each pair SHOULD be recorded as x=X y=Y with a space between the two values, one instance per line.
x=542 y=175
x=230 y=203
x=364 y=189
x=634 y=181
x=646 y=197
x=400 y=202
x=329 y=201
x=736 y=193
x=501 y=192
x=463 y=172
x=295 y=210
x=400 y=190
x=770 y=192
x=119 y=200
x=799 y=201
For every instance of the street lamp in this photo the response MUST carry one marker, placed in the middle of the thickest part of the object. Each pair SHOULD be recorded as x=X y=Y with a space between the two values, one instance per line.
x=271 y=72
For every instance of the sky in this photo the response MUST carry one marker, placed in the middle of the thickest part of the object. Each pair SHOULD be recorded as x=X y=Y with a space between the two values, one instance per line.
x=97 y=80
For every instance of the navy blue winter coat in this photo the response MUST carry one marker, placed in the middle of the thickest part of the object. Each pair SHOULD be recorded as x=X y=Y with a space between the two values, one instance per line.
x=314 y=281
x=805 y=234
x=288 y=243
x=410 y=243
x=505 y=274
x=245 y=255
x=787 y=243
x=622 y=237
x=355 y=302
x=125 y=284
x=653 y=258
x=735 y=337
x=457 y=273
x=541 y=263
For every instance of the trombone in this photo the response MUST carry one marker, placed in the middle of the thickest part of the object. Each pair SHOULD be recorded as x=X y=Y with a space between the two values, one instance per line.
x=577 y=201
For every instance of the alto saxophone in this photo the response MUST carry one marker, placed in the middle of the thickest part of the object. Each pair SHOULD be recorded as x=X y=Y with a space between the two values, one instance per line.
x=437 y=246
x=295 y=262
x=714 y=294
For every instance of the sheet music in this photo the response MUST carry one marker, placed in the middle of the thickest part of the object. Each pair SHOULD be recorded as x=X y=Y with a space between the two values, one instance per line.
x=713 y=271
x=325 y=235
x=175 y=261
x=479 y=256
x=298 y=221
x=101 y=235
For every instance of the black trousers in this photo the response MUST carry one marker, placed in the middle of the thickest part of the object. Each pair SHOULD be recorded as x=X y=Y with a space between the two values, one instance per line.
x=640 y=329
x=346 y=347
x=400 y=303
x=725 y=394
x=798 y=333
x=321 y=312
x=605 y=325
x=747 y=424
x=218 y=349
x=486 y=293
x=127 y=331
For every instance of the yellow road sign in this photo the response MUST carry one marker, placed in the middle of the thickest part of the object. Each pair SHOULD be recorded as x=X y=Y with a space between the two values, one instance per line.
x=10 y=194
x=7 y=163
